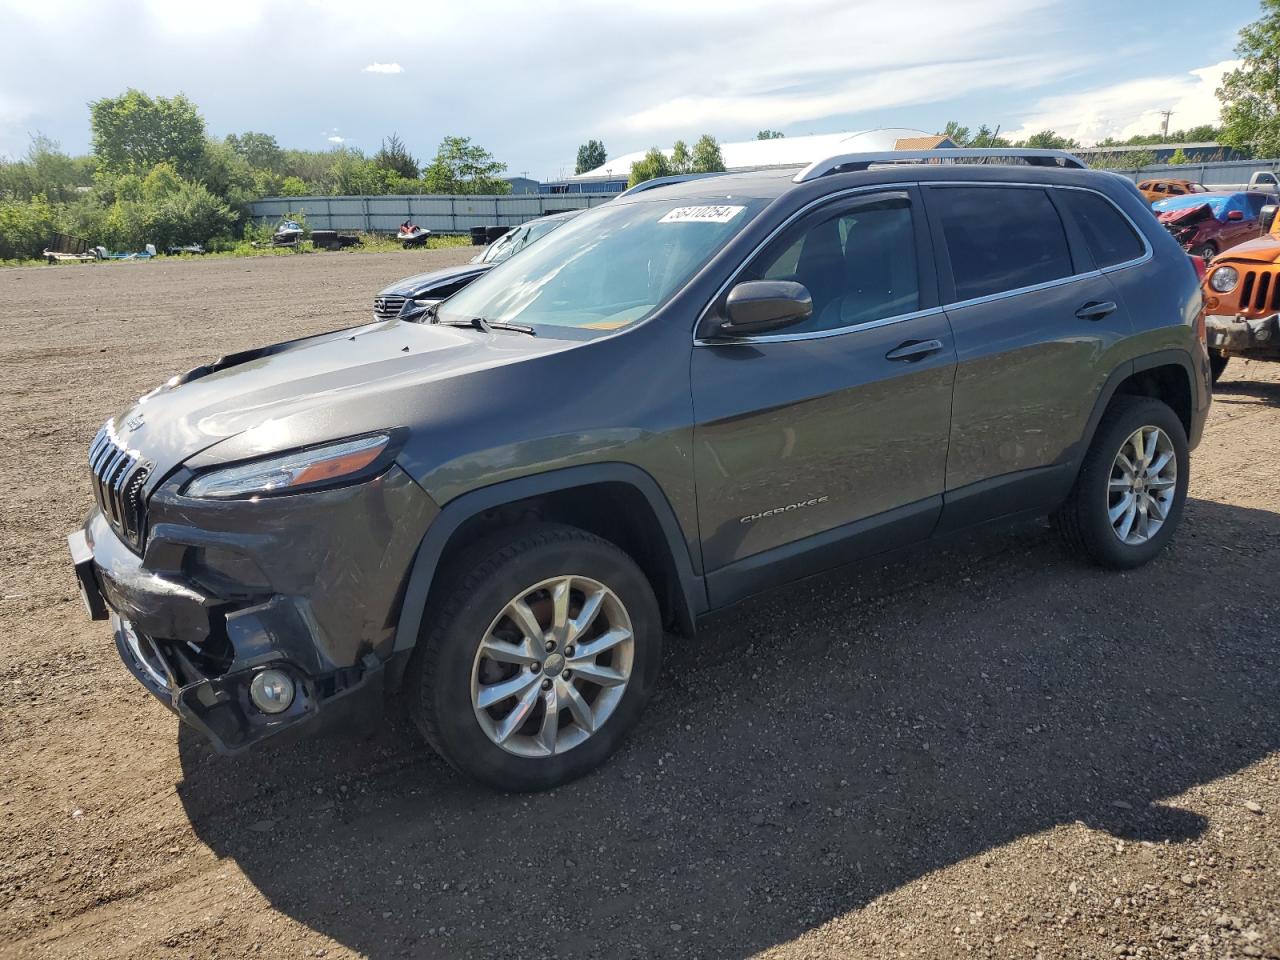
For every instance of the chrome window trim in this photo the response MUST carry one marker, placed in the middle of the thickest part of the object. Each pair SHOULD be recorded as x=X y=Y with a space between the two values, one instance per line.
x=819 y=334
x=903 y=191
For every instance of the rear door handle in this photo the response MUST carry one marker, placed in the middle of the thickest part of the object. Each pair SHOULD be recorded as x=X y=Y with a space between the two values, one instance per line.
x=1096 y=310
x=914 y=350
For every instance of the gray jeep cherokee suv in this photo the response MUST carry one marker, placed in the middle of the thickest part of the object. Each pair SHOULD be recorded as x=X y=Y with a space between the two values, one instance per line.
x=678 y=399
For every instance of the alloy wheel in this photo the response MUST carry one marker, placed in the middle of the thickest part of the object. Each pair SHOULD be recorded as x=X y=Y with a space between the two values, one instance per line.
x=553 y=666
x=1144 y=479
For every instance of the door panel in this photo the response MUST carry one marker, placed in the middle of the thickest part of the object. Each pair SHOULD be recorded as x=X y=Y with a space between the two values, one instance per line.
x=1036 y=328
x=1029 y=372
x=824 y=432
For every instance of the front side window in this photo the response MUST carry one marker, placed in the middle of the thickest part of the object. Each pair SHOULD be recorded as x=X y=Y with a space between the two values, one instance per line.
x=1108 y=234
x=607 y=269
x=858 y=264
x=1000 y=238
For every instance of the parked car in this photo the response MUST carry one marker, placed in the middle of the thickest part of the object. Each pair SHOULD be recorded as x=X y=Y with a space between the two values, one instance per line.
x=424 y=290
x=1263 y=181
x=1242 y=299
x=1155 y=190
x=1208 y=223
x=677 y=400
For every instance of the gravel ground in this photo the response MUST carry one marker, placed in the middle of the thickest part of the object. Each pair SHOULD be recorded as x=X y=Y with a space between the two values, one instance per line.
x=987 y=749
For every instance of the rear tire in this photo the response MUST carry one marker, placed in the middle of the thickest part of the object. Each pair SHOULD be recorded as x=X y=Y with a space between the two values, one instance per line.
x=1092 y=522
x=502 y=592
x=1217 y=364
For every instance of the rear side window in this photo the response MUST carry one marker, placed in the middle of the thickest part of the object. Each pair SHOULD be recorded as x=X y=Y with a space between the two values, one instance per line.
x=1109 y=235
x=1000 y=238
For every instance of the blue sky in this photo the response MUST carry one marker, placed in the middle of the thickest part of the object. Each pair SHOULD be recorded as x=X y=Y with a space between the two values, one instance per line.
x=532 y=81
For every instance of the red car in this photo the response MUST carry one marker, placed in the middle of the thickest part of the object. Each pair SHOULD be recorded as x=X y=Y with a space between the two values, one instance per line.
x=1208 y=223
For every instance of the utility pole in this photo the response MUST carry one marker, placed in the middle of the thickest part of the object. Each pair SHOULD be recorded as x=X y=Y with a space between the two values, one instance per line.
x=1166 y=114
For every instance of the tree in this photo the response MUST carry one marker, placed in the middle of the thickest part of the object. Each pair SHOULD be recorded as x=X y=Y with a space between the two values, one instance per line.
x=706 y=155
x=463 y=167
x=652 y=164
x=258 y=150
x=1049 y=140
x=590 y=156
x=681 y=159
x=959 y=135
x=1250 y=95
x=394 y=156
x=134 y=132
x=986 y=137
x=1179 y=157
x=769 y=135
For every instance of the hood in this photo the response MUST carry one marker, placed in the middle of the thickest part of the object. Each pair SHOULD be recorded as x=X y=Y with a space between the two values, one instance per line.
x=1264 y=249
x=1186 y=216
x=312 y=390
x=423 y=282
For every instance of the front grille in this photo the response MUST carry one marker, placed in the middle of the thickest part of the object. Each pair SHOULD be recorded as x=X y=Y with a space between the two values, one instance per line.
x=1260 y=292
x=119 y=475
x=387 y=308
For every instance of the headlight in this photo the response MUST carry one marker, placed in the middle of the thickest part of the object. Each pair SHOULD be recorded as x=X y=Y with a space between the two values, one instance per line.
x=1224 y=279
x=330 y=465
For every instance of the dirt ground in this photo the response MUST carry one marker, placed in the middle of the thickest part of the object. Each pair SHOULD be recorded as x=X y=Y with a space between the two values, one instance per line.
x=986 y=750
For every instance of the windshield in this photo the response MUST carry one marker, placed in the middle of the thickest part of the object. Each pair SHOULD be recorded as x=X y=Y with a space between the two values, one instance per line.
x=605 y=270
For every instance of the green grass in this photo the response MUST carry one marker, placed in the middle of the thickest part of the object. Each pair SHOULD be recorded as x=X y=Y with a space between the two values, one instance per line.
x=370 y=243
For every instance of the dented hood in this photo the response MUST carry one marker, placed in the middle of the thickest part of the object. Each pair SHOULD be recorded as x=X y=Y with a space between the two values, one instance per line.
x=312 y=390
x=1186 y=216
x=1265 y=249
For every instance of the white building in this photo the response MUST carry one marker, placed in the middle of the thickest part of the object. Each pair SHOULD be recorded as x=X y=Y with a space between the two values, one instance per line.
x=786 y=151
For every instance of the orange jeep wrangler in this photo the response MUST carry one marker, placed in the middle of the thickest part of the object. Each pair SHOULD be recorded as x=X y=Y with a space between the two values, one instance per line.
x=1242 y=298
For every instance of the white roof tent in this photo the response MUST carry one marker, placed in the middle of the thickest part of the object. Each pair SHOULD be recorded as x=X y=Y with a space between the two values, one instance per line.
x=787 y=151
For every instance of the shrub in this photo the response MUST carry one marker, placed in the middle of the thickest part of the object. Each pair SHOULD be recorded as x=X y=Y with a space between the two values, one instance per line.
x=26 y=227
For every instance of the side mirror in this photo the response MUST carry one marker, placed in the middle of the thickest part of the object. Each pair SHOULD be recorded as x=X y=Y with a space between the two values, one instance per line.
x=1235 y=215
x=1268 y=216
x=759 y=306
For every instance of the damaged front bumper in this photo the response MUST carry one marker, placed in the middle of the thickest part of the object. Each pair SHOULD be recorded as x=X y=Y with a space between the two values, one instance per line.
x=307 y=587
x=1244 y=337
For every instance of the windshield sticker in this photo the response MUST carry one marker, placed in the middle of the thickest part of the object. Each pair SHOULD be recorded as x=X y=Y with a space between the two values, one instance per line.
x=708 y=214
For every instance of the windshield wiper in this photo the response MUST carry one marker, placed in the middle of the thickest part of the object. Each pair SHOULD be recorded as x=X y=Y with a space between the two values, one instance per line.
x=487 y=326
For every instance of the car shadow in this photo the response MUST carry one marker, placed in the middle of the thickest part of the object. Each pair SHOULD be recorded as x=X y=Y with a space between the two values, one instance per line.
x=1239 y=388
x=810 y=751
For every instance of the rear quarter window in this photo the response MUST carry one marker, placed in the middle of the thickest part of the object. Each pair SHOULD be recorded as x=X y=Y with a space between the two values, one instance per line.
x=1000 y=238
x=1109 y=235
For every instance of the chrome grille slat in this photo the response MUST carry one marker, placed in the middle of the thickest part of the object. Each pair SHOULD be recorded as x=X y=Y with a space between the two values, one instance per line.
x=119 y=476
x=388 y=308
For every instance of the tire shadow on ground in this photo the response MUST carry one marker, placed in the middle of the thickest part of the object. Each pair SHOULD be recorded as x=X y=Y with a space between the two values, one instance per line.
x=808 y=752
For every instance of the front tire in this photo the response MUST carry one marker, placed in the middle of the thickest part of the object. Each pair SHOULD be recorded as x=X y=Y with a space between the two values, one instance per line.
x=1129 y=495
x=539 y=658
x=1205 y=252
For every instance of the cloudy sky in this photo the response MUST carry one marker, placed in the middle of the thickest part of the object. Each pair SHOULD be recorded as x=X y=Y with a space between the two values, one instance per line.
x=530 y=81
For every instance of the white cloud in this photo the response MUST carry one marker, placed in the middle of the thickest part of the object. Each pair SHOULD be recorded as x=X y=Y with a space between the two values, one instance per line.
x=1133 y=107
x=337 y=139
x=384 y=68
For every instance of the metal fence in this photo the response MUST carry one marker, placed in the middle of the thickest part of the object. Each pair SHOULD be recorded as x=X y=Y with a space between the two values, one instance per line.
x=1220 y=173
x=439 y=214
x=458 y=214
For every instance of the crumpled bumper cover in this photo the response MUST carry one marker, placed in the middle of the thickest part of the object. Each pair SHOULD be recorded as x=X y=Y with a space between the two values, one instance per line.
x=219 y=707
x=1240 y=334
x=308 y=584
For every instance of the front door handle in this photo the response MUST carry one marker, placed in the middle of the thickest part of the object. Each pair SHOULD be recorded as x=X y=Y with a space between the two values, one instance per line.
x=1096 y=310
x=914 y=350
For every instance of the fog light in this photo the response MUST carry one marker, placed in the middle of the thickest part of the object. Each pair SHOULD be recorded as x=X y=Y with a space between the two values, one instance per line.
x=271 y=691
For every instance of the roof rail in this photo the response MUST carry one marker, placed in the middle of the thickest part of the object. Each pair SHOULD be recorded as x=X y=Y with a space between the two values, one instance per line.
x=848 y=162
x=667 y=181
